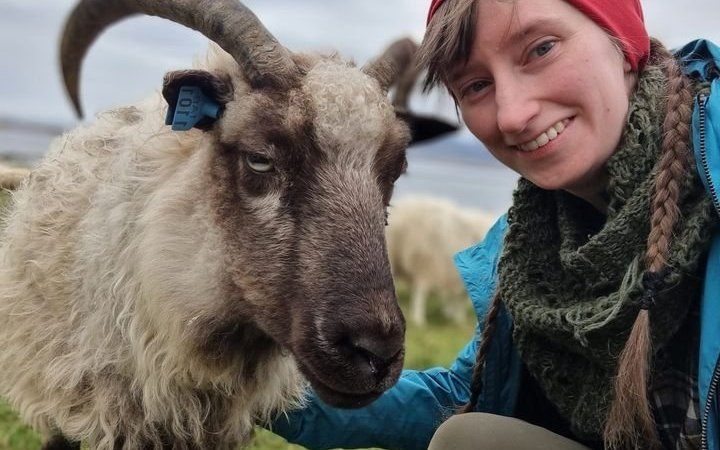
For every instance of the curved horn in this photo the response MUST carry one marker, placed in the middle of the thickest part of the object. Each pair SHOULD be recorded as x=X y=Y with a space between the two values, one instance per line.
x=229 y=23
x=394 y=61
x=404 y=86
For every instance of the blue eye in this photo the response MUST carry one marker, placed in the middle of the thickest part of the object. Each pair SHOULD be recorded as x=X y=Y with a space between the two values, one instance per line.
x=543 y=49
x=475 y=87
x=478 y=86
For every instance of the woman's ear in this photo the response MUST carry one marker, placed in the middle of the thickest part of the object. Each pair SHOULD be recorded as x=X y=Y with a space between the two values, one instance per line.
x=631 y=78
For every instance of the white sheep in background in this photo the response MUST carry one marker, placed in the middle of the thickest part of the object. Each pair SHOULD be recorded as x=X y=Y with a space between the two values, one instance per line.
x=164 y=289
x=12 y=176
x=423 y=234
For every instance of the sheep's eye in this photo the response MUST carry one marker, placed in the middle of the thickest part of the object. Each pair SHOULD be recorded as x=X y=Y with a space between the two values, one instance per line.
x=259 y=163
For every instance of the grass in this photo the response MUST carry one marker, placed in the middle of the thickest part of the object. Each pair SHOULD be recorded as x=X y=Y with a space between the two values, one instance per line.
x=14 y=435
x=430 y=346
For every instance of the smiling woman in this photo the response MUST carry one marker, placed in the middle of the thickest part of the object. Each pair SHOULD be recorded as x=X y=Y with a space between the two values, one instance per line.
x=531 y=94
x=597 y=292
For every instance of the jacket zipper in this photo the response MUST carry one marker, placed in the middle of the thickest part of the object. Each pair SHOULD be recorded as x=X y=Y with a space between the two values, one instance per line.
x=703 y=156
x=715 y=380
x=708 y=406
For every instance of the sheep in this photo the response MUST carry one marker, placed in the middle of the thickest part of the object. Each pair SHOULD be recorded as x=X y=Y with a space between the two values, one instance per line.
x=163 y=289
x=12 y=176
x=423 y=234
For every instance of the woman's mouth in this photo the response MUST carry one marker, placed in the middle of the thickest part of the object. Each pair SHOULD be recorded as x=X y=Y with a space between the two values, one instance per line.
x=548 y=135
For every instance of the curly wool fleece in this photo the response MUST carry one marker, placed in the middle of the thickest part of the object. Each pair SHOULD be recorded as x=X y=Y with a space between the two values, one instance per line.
x=571 y=279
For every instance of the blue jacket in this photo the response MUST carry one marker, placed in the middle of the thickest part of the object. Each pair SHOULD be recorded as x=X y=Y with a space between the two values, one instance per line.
x=407 y=415
x=702 y=59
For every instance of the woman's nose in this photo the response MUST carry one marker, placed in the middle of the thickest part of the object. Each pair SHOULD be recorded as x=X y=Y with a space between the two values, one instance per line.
x=516 y=106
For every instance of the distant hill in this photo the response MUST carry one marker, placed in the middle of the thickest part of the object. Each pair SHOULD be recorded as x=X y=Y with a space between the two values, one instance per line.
x=25 y=141
x=7 y=124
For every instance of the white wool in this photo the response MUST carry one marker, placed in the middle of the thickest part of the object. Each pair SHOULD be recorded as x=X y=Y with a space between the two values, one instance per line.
x=349 y=109
x=423 y=235
x=12 y=176
x=79 y=341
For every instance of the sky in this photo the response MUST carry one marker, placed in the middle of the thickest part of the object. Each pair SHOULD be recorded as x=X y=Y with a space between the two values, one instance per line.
x=128 y=61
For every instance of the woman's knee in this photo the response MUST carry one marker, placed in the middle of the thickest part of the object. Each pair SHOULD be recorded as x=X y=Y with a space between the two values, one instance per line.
x=478 y=431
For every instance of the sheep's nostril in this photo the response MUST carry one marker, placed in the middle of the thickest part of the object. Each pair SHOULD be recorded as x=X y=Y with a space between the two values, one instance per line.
x=379 y=354
x=375 y=364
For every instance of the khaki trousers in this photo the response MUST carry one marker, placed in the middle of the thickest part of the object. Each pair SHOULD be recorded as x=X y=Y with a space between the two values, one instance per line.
x=481 y=431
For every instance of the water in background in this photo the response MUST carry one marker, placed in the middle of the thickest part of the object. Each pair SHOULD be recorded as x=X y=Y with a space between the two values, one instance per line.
x=457 y=168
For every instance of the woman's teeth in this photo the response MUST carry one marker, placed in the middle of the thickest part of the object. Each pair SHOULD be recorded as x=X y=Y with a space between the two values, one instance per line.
x=551 y=133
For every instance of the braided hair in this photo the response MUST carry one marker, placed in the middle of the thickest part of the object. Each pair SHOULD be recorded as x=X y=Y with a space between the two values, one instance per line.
x=479 y=366
x=630 y=420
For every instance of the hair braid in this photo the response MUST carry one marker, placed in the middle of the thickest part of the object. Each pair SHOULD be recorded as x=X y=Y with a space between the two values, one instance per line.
x=479 y=366
x=674 y=163
x=630 y=422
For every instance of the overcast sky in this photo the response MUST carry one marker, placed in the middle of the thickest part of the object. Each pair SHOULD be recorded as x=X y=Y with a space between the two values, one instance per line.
x=128 y=62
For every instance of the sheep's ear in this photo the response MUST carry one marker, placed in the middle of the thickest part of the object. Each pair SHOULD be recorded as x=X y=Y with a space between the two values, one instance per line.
x=195 y=98
x=423 y=128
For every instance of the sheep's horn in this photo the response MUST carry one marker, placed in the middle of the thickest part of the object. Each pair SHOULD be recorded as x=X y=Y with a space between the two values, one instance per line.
x=404 y=86
x=394 y=61
x=229 y=23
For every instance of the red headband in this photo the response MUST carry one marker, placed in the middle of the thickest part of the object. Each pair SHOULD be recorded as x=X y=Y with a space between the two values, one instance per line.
x=622 y=18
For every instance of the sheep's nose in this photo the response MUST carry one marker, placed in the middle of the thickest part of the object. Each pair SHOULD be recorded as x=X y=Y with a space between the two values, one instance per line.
x=375 y=353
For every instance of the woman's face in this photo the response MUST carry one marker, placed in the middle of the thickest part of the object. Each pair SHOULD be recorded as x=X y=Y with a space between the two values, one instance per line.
x=546 y=90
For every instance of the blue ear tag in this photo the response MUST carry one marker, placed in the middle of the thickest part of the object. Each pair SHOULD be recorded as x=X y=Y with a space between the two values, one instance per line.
x=191 y=107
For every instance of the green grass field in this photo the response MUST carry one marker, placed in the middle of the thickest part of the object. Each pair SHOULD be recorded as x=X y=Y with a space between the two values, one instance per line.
x=434 y=345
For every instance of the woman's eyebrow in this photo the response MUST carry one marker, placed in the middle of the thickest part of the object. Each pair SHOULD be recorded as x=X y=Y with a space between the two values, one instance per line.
x=454 y=76
x=530 y=28
x=513 y=36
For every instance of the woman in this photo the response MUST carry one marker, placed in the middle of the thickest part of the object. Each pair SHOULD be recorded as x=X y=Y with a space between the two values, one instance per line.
x=600 y=319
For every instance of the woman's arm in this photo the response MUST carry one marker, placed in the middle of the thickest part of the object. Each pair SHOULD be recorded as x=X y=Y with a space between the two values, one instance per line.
x=405 y=417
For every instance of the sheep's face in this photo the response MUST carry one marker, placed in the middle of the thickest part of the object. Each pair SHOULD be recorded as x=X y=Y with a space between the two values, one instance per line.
x=296 y=176
x=303 y=180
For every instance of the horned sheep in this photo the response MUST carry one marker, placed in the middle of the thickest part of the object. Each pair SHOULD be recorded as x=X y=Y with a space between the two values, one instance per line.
x=163 y=289
x=423 y=235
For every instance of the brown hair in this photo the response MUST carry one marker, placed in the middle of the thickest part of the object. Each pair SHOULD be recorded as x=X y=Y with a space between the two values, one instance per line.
x=630 y=423
x=448 y=40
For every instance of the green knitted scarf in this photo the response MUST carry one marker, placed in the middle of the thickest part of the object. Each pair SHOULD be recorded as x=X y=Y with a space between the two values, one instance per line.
x=572 y=278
